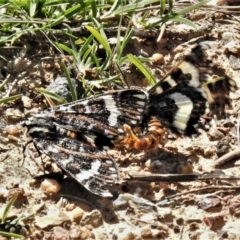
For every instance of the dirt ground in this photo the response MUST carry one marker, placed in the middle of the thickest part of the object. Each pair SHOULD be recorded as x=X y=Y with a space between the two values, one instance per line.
x=204 y=209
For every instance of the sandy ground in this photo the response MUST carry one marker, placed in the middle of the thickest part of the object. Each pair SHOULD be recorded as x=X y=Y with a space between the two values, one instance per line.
x=207 y=209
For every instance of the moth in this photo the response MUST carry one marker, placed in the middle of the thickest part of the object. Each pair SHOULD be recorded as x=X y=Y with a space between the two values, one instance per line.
x=180 y=99
x=76 y=135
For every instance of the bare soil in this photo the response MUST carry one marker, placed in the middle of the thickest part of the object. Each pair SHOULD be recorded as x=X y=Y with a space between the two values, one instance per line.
x=207 y=209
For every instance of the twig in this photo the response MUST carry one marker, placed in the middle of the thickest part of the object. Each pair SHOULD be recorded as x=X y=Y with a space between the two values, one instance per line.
x=227 y=157
x=209 y=188
x=180 y=177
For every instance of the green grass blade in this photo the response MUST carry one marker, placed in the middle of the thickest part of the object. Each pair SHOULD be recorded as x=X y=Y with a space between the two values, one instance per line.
x=65 y=48
x=85 y=45
x=9 y=99
x=114 y=6
x=132 y=7
x=8 y=207
x=57 y=22
x=32 y=8
x=163 y=7
x=101 y=38
x=4 y=82
x=143 y=69
x=170 y=4
x=184 y=20
x=98 y=83
x=70 y=83
x=77 y=8
x=121 y=46
x=51 y=95
x=192 y=7
x=13 y=235
x=94 y=9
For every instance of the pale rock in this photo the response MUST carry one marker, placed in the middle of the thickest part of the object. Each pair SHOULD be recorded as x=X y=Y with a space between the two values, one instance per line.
x=50 y=186
x=93 y=218
x=60 y=233
x=37 y=208
x=76 y=214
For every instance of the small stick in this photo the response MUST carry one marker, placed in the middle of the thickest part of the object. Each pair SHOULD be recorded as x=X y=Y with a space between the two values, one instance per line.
x=227 y=157
x=180 y=177
x=208 y=188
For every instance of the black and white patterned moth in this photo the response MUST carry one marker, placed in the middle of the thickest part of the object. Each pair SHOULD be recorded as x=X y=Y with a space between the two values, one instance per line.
x=180 y=100
x=75 y=135
x=187 y=93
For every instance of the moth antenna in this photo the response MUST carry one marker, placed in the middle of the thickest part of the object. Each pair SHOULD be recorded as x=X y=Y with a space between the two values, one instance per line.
x=124 y=80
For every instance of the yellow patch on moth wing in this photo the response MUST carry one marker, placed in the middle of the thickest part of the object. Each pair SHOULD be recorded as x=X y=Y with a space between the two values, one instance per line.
x=188 y=68
x=158 y=90
x=233 y=85
x=185 y=107
x=171 y=81
x=208 y=93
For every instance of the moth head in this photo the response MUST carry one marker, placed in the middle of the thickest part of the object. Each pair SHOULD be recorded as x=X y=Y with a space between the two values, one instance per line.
x=37 y=126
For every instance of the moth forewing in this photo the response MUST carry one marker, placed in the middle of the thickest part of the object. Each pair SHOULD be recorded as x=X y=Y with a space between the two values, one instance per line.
x=59 y=133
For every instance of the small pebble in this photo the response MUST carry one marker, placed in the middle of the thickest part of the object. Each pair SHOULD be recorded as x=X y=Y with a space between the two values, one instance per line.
x=27 y=102
x=70 y=206
x=13 y=130
x=12 y=138
x=214 y=134
x=209 y=202
x=93 y=218
x=157 y=59
x=75 y=233
x=37 y=208
x=50 y=186
x=13 y=115
x=127 y=234
x=76 y=214
x=60 y=233
x=85 y=234
x=146 y=233
x=209 y=151
x=193 y=226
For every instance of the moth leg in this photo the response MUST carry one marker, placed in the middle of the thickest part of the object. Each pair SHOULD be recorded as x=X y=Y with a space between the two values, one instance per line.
x=27 y=152
x=149 y=141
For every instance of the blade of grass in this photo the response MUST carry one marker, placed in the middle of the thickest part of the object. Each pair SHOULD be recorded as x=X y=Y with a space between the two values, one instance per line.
x=133 y=7
x=192 y=7
x=94 y=9
x=143 y=69
x=70 y=83
x=77 y=9
x=163 y=7
x=85 y=45
x=4 y=82
x=13 y=235
x=170 y=4
x=87 y=91
x=120 y=46
x=7 y=208
x=52 y=95
x=98 y=83
x=65 y=48
x=181 y=20
x=102 y=39
x=9 y=99
x=114 y=6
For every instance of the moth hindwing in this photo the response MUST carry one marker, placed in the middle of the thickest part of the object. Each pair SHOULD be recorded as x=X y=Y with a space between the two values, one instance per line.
x=99 y=119
x=187 y=93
